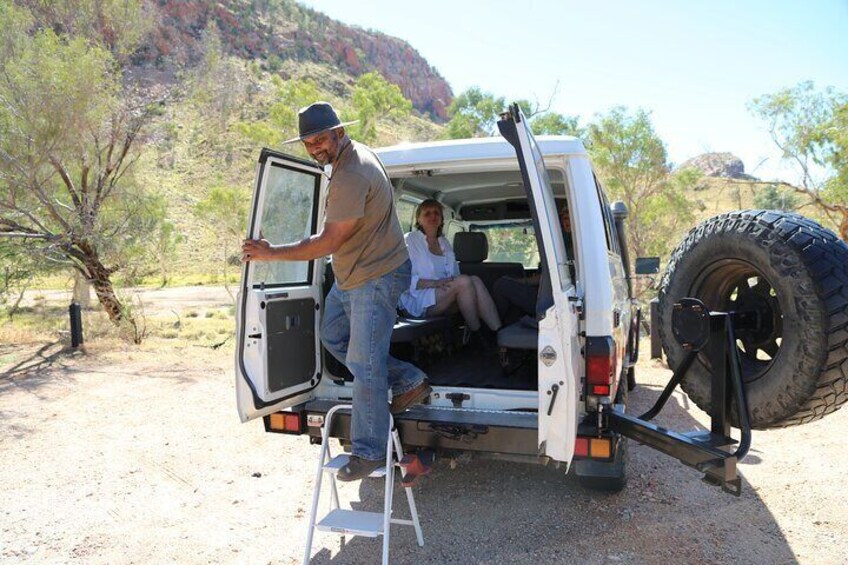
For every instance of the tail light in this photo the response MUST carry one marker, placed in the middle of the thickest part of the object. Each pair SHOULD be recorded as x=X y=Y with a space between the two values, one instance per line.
x=284 y=422
x=601 y=364
x=586 y=447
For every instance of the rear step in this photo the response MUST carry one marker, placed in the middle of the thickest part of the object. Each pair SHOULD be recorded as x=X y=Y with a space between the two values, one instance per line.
x=707 y=451
x=428 y=427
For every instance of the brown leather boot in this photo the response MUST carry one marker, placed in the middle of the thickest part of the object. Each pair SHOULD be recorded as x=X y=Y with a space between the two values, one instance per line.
x=413 y=396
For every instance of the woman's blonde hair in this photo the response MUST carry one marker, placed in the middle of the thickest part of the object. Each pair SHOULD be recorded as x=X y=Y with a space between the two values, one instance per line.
x=430 y=203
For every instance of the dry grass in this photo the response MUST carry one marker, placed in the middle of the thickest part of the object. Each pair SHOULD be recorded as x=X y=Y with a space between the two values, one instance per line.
x=46 y=322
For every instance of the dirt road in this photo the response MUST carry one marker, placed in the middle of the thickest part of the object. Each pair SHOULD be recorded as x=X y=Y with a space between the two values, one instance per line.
x=137 y=456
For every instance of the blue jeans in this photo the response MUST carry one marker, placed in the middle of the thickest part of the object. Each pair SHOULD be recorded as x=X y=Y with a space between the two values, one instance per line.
x=357 y=329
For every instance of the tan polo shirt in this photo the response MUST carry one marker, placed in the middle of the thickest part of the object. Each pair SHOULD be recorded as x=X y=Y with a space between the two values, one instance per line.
x=359 y=189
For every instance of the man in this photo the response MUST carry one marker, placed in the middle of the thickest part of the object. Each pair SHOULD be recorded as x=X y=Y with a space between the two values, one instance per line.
x=515 y=298
x=371 y=266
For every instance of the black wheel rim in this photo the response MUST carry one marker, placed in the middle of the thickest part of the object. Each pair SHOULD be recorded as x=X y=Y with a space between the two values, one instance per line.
x=733 y=285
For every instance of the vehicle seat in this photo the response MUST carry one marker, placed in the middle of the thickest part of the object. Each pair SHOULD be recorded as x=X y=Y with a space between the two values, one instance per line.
x=523 y=334
x=407 y=330
x=472 y=250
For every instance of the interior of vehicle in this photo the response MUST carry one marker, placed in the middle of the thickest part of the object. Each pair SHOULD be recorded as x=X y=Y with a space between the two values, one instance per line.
x=488 y=221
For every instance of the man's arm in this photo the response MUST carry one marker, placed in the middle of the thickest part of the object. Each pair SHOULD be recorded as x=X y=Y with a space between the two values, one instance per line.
x=324 y=243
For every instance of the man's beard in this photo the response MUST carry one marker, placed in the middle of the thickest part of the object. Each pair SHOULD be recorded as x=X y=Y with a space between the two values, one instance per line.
x=324 y=158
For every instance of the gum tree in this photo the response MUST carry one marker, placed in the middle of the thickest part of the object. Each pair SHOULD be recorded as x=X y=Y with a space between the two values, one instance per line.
x=68 y=135
x=633 y=164
x=810 y=127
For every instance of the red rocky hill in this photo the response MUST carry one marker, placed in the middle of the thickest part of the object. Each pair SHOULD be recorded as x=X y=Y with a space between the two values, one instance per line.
x=282 y=29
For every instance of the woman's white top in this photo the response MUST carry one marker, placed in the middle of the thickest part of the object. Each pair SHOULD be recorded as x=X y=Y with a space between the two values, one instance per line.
x=426 y=265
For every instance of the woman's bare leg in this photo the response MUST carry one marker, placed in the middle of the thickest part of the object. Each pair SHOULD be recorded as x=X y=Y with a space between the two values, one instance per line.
x=459 y=292
x=486 y=305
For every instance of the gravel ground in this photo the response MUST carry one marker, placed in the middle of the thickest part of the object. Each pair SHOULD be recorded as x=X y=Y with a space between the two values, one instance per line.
x=137 y=456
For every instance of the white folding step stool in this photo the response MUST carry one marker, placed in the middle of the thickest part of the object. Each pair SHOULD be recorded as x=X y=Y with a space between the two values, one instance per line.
x=355 y=522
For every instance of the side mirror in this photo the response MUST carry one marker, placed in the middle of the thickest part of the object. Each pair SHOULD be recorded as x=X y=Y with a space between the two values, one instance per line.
x=647 y=265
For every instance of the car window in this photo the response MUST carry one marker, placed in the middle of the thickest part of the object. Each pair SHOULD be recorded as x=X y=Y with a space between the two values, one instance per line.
x=405 y=209
x=511 y=243
x=288 y=214
x=606 y=213
x=451 y=229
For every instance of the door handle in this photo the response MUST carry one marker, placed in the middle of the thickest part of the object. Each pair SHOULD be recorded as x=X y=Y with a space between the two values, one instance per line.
x=292 y=321
x=553 y=392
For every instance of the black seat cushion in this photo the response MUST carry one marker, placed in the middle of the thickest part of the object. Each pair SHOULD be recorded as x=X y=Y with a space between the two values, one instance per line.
x=470 y=247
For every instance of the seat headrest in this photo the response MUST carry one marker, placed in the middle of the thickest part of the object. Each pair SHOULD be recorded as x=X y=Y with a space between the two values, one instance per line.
x=470 y=246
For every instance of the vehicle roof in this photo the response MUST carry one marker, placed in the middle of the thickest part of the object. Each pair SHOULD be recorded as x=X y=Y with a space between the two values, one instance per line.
x=472 y=149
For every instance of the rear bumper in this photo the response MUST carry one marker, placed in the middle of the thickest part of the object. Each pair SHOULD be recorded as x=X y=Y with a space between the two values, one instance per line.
x=448 y=429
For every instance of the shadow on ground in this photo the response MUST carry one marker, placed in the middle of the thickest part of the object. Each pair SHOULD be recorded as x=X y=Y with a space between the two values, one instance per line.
x=32 y=368
x=497 y=512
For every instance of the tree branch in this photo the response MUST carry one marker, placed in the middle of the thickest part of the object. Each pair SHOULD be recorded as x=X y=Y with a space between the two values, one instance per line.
x=69 y=184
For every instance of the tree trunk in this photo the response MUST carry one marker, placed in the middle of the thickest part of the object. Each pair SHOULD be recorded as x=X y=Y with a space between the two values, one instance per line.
x=100 y=278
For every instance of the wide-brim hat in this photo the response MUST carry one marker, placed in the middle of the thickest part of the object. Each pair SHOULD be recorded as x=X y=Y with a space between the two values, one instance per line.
x=317 y=118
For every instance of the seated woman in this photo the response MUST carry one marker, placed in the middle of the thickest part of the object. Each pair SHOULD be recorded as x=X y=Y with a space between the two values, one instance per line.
x=437 y=286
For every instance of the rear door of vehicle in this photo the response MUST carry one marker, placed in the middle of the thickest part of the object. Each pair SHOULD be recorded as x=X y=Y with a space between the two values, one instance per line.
x=278 y=354
x=558 y=346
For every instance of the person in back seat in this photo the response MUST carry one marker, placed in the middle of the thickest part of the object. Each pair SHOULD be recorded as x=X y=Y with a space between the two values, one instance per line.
x=517 y=297
x=437 y=286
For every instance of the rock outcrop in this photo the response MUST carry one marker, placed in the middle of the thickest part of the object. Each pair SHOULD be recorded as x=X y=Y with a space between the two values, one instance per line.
x=261 y=29
x=724 y=165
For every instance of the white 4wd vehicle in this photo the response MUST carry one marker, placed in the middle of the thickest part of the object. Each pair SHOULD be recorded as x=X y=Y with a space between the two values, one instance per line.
x=554 y=387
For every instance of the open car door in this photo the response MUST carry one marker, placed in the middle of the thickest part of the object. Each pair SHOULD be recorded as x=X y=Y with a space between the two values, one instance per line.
x=278 y=355
x=558 y=348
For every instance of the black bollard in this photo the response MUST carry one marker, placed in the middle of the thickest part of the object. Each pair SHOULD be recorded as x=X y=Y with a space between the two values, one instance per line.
x=76 y=324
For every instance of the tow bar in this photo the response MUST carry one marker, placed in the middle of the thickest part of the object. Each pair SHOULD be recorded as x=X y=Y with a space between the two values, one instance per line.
x=697 y=329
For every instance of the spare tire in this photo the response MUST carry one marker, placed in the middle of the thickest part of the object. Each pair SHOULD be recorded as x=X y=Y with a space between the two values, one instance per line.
x=794 y=273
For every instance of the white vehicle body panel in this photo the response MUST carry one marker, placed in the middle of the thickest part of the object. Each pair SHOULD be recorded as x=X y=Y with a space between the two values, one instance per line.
x=558 y=384
x=254 y=395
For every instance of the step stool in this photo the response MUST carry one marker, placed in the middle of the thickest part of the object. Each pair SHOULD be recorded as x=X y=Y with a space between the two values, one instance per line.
x=355 y=522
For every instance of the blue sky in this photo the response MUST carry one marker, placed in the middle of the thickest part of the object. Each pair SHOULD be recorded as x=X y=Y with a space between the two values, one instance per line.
x=694 y=65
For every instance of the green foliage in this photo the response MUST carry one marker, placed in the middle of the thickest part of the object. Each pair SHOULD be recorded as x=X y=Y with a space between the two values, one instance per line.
x=772 y=198
x=67 y=134
x=18 y=267
x=50 y=89
x=225 y=210
x=473 y=113
x=281 y=121
x=117 y=25
x=224 y=213
x=551 y=123
x=375 y=98
x=811 y=129
x=689 y=179
x=218 y=87
x=167 y=244
x=804 y=123
x=129 y=229
x=632 y=161
x=59 y=97
x=513 y=244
